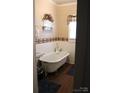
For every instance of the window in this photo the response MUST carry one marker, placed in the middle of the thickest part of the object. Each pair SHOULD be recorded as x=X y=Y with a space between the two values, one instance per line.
x=72 y=30
x=71 y=27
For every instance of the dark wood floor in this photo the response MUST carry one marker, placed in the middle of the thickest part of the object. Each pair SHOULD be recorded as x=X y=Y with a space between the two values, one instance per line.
x=61 y=77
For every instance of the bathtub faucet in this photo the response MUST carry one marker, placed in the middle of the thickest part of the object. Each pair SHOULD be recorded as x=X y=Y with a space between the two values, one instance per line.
x=60 y=49
x=57 y=48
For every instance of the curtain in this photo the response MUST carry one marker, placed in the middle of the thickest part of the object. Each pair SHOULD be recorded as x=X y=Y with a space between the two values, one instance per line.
x=71 y=18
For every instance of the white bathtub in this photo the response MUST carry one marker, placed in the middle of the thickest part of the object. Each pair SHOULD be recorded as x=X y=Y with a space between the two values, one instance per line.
x=54 y=60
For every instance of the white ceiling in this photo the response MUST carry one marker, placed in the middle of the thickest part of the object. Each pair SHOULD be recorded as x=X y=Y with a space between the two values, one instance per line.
x=64 y=1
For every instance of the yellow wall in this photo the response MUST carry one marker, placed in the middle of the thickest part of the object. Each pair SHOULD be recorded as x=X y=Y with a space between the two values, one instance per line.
x=59 y=14
x=64 y=11
x=45 y=7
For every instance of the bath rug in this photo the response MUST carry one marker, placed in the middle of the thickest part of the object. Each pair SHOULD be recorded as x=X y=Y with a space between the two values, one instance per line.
x=71 y=71
x=46 y=86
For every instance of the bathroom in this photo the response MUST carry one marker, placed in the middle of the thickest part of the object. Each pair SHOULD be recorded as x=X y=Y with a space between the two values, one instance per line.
x=55 y=38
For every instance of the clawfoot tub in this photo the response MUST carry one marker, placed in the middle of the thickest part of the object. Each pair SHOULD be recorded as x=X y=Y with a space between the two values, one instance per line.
x=53 y=60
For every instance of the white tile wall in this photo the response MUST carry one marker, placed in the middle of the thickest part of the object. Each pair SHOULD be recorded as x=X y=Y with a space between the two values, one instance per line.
x=50 y=46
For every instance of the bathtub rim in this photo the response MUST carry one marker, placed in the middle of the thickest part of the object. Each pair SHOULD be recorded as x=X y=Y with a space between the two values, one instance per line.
x=52 y=62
